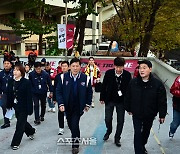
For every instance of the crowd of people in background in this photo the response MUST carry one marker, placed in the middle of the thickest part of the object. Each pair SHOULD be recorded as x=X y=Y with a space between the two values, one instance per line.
x=29 y=88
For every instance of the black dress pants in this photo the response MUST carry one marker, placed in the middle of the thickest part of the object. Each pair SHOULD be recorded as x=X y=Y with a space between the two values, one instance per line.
x=4 y=99
x=73 y=118
x=42 y=99
x=61 y=119
x=142 y=129
x=109 y=108
x=21 y=126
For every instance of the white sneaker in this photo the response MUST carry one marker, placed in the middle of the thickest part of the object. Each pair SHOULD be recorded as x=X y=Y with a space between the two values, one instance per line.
x=54 y=109
x=15 y=147
x=50 y=110
x=32 y=136
x=61 y=131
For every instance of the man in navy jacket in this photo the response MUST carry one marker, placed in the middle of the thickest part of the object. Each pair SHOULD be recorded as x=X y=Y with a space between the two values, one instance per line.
x=74 y=96
x=40 y=82
x=5 y=76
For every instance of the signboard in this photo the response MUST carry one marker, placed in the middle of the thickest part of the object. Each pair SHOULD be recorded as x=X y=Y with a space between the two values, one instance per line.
x=54 y=2
x=65 y=36
x=61 y=36
x=7 y=37
x=106 y=64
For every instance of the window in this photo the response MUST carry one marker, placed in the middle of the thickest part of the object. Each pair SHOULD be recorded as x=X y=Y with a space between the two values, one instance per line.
x=4 y=18
x=88 y=42
x=30 y=46
x=97 y=25
x=88 y=24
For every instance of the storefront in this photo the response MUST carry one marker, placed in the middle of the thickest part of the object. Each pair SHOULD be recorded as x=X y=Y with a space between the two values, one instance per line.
x=8 y=41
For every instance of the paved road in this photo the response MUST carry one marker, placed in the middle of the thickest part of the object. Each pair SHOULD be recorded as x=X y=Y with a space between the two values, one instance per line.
x=92 y=125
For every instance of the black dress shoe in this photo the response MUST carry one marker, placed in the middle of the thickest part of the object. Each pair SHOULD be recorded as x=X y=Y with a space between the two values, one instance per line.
x=5 y=126
x=144 y=150
x=37 y=122
x=118 y=144
x=42 y=118
x=106 y=137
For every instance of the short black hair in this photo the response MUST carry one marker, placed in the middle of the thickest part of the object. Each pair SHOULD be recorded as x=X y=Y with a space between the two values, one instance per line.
x=91 y=58
x=75 y=60
x=119 y=61
x=60 y=62
x=147 y=62
x=65 y=62
x=7 y=61
x=27 y=64
x=47 y=64
x=37 y=64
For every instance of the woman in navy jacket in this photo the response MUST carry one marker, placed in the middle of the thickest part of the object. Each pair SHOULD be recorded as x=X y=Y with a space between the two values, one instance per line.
x=19 y=97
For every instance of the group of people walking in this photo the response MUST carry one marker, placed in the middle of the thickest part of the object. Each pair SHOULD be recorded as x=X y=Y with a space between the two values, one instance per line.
x=143 y=97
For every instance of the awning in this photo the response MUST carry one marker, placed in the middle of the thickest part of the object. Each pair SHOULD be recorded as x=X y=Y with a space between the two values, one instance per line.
x=7 y=37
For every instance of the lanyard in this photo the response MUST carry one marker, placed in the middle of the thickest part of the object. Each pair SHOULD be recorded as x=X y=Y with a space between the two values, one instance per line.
x=7 y=78
x=118 y=81
x=15 y=89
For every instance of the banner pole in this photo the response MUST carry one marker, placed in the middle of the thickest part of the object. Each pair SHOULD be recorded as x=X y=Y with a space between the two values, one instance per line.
x=66 y=58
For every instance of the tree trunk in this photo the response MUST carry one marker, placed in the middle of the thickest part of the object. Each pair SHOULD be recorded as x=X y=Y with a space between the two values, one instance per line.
x=144 y=47
x=40 y=44
x=81 y=33
x=76 y=31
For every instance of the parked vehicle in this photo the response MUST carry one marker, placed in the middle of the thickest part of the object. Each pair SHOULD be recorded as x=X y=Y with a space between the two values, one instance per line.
x=171 y=61
x=104 y=50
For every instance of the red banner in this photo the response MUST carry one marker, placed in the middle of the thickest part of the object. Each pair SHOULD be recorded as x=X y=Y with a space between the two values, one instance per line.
x=69 y=36
x=105 y=65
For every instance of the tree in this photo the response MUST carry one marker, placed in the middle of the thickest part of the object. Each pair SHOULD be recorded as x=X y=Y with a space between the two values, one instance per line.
x=85 y=8
x=36 y=25
x=143 y=20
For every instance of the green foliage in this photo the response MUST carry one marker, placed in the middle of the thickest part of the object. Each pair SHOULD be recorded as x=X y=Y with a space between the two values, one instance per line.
x=133 y=19
x=30 y=27
x=36 y=25
x=53 y=50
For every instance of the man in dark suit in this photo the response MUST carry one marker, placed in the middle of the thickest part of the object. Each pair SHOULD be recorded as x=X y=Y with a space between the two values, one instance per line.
x=40 y=82
x=5 y=75
x=74 y=96
x=113 y=91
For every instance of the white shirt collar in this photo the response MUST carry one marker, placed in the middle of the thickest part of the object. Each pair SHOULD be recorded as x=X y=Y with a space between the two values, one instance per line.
x=17 y=79
x=75 y=76
x=118 y=75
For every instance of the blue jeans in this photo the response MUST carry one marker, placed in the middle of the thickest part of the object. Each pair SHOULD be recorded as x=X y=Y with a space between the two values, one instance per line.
x=176 y=121
x=50 y=102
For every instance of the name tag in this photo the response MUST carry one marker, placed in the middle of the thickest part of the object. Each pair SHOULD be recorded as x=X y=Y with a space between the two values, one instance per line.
x=15 y=101
x=119 y=93
x=39 y=86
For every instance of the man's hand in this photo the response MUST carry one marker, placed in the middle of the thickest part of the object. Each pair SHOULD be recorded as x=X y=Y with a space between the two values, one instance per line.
x=161 y=120
x=86 y=109
x=130 y=113
x=61 y=108
x=102 y=102
x=97 y=80
x=54 y=102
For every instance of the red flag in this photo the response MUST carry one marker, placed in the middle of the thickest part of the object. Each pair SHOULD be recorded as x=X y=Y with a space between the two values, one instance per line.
x=69 y=36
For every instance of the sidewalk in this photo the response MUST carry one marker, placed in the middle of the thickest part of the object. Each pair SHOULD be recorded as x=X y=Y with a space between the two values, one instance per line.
x=91 y=125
